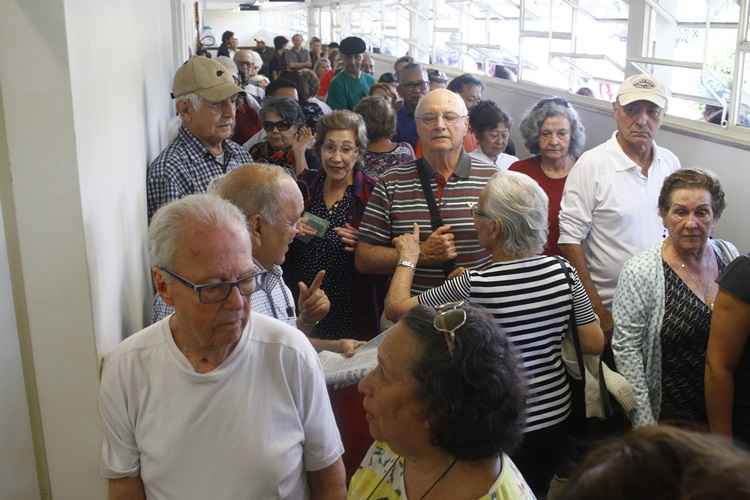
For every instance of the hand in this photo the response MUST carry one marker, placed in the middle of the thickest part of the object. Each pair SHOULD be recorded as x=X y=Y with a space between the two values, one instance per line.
x=456 y=272
x=349 y=236
x=439 y=247
x=313 y=303
x=301 y=139
x=305 y=229
x=408 y=245
x=348 y=346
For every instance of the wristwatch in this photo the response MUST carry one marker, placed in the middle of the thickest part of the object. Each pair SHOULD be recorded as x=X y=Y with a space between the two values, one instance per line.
x=406 y=263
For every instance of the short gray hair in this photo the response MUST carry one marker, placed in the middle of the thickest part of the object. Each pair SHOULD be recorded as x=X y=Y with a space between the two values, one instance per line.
x=170 y=223
x=519 y=205
x=531 y=124
x=255 y=188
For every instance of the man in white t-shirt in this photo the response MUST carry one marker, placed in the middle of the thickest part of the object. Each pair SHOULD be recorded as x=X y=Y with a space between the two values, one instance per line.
x=609 y=207
x=213 y=401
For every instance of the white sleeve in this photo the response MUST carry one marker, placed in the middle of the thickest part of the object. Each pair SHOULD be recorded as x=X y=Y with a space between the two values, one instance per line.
x=322 y=446
x=577 y=206
x=120 y=456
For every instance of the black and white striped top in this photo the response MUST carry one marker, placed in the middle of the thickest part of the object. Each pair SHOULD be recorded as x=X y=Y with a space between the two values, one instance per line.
x=531 y=300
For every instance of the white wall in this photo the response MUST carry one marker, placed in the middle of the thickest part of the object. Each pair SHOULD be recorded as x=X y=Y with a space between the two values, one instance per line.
x=244 y=24
x=85 y=100
x=730 y=162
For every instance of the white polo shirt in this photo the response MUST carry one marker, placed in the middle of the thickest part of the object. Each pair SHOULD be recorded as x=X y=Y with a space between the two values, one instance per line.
x=503 y=160
x=251 y=428
x=610 y=208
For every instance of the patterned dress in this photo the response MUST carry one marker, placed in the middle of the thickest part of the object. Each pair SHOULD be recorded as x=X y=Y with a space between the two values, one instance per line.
x=375 y=164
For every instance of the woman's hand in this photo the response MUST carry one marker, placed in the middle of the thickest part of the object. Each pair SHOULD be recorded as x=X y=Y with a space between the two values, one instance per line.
x=349 y=236
x=407 y=245
x=305 y=229
x=348 y=346
x=301 y=139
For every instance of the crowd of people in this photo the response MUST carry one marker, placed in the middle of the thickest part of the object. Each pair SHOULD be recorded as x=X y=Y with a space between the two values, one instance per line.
x=337 y=207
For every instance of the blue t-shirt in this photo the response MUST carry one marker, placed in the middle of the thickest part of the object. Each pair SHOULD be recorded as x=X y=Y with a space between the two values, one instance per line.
x=406 y=127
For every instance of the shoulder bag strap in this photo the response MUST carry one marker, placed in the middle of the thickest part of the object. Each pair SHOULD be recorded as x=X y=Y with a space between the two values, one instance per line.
x=435 y=219
x=572 y=326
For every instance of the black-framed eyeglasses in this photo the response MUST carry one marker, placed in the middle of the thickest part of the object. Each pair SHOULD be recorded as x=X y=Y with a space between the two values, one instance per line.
x=282 y=125
x=477 y=212
x=448 y=319
x=213 y=293
x=554 y=100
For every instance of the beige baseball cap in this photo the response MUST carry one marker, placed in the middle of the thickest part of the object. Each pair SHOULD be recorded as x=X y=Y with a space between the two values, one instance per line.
x=643 y=88
x=205 y=77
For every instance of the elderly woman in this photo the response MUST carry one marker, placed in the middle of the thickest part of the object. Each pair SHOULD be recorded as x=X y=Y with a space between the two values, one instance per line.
x=663 y=302
x=336 y=196
x=491 y=126
x=728 y=356
x=531 y=296
x=287 y=137
x=307 y=85
x=382 y=153
x=553 y=133
x=445 y=405
x=387 y=91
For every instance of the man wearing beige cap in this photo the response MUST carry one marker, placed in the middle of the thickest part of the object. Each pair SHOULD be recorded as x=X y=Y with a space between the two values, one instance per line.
x=609 y=206
x=205 y=95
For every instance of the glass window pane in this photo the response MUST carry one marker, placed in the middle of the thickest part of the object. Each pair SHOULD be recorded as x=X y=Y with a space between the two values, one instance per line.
x=743 y=116
x=538 y=16
x=537 y=66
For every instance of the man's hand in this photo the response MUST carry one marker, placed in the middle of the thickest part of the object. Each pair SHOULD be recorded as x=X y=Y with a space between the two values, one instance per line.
x=348 y=346
x=349 y=236
x=439 y=247
x=408 y=245
x=456 y=272
x=313 y=303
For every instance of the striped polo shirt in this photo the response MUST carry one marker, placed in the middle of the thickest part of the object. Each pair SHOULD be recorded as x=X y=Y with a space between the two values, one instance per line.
x=397 y=202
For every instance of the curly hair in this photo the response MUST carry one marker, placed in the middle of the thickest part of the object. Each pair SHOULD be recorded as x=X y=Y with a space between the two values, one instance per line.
x=531 y=124
x=692 y=178
x=475 y=398
x=486 y=115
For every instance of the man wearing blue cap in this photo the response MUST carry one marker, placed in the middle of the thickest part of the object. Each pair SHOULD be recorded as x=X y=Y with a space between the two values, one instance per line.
x=352 y=84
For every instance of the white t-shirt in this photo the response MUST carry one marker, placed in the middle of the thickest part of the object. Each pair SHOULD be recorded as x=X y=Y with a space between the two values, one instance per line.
x=503 y=160
x=610 y=208
x=250 y=429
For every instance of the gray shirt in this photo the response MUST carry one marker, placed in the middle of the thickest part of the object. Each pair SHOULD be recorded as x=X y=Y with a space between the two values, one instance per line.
x=297 y=56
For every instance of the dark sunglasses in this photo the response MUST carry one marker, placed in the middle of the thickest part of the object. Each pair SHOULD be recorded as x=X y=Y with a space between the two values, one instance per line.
x=282 y=126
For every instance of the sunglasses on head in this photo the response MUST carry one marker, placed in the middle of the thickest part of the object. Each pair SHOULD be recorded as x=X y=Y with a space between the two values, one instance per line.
x=556 y=100
x=282 y=126
x=448 y=319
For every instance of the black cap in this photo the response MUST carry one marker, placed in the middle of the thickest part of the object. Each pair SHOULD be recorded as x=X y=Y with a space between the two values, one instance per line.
x=280 y=41
x=352 y=45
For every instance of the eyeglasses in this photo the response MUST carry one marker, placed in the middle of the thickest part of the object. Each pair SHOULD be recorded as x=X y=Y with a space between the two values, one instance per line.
x=449 y=318
x=281 y=126
x=213 y=293
x=421 y=84
x=477 y=212
x=330 y=149
x=432 y=118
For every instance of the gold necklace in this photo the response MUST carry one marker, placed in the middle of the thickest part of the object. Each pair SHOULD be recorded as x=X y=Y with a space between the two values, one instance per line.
x=699 y=283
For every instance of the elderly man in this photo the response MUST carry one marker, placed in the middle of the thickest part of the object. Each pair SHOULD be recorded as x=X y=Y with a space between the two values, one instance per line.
x=436 y=192
x=368 y=65
x=413 y=84
x=298 y=57
x=215 y=402
x=352 y=84
x=248 y=64
x=205 y=97
x=609 y=206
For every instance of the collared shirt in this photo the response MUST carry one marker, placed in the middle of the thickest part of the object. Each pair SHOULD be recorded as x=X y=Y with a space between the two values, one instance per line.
x=297 y=56
x=610 y=208
x=406 y=127
x=502 y=163
x=346 y=91
x=397 y=202
x=271 y=297
x=186 y=167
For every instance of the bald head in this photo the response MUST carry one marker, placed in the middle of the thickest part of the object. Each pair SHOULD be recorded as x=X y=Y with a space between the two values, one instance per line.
x=258 y=189
x=445 y=99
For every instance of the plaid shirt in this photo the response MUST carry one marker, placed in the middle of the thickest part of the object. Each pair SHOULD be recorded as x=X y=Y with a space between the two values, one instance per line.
x=186 y=167
x=271 y=297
